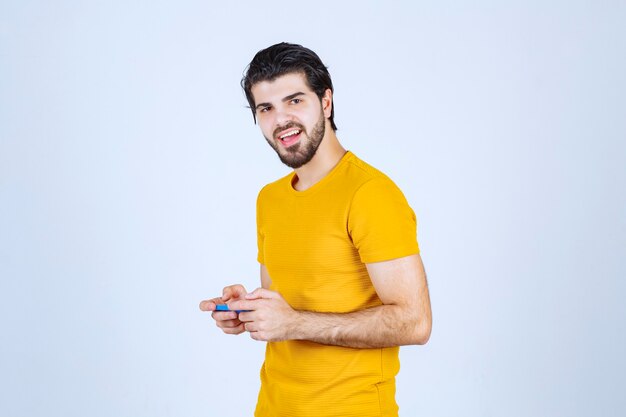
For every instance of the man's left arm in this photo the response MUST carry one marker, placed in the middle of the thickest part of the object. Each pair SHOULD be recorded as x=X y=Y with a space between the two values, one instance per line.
x=403 y=319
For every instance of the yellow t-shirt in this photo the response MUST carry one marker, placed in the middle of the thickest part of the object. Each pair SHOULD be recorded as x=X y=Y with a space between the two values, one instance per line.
x=315 y=244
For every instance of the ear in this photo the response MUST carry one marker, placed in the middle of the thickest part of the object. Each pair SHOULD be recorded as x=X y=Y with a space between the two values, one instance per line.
x=327 y=103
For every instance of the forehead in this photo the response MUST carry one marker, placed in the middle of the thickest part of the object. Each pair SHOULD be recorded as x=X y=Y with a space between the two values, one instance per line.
x=280 y=87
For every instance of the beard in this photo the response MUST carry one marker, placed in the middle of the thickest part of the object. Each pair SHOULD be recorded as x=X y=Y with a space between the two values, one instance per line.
x=302 y=152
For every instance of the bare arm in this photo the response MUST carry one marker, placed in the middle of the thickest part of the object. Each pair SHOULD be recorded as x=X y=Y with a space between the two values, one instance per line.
x=403 y=319
x=265 y=278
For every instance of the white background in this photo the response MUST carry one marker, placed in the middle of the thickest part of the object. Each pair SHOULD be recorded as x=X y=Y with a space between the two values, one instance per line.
x=129 y=169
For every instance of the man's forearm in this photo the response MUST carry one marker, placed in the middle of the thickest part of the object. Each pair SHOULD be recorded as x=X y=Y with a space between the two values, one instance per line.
x=382 y=326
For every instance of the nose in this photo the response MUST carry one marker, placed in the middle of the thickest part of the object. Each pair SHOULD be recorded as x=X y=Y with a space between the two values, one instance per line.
x=282 y=117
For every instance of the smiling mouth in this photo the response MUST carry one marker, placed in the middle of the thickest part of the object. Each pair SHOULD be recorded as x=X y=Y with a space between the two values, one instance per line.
x=289 y=135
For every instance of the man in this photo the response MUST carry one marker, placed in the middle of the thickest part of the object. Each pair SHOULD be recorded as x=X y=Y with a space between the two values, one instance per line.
x=342 y=282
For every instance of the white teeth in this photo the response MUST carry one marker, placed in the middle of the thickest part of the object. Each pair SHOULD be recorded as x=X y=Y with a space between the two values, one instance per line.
x=293 y=132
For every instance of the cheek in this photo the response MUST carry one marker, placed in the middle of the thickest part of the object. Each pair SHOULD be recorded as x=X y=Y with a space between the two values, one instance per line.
x=266 y=126
x=303 y=118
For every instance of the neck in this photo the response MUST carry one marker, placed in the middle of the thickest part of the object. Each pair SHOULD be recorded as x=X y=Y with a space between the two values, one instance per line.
x=326 y=158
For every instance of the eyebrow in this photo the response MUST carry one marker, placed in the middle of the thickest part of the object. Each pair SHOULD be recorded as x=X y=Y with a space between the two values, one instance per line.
x=289 y=97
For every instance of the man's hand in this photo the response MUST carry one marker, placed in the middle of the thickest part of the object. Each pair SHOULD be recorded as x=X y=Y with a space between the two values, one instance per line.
x=226 y=320
x=272 y=319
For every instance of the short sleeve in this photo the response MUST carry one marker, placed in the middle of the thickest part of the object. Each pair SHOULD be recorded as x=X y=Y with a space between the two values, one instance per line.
x=381 y=223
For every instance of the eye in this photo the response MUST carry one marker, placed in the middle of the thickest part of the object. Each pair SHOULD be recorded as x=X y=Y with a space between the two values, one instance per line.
x=265 y=109
x=296 y=100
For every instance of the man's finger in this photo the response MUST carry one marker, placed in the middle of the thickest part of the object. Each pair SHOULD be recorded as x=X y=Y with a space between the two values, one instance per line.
x=254 y=295
x=258 y=336
x=251 y=326
x=244 y=305
x=261 y=293
x=245 y=316
x=233 y=291
x=228 y=324
x=224 y=315
x=209 y=305
x=234 y=330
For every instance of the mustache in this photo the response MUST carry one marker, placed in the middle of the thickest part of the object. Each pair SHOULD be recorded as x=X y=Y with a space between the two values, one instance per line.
x=288 y=125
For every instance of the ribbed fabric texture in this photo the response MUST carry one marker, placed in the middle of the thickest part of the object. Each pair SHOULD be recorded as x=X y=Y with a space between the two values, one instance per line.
x=315 y=244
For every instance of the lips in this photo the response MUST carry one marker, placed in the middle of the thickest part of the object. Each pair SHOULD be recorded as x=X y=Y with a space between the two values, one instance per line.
x=289 y=136
x=291 y=132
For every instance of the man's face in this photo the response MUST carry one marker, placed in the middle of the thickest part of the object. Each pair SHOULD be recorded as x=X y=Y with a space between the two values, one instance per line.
x=291 y=117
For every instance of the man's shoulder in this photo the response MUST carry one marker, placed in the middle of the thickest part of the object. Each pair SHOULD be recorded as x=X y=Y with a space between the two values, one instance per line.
x=277 y=186
x=362 y=169
x=360 y=173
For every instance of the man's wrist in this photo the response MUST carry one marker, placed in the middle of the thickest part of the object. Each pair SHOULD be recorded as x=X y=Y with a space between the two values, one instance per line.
x=295 y=326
